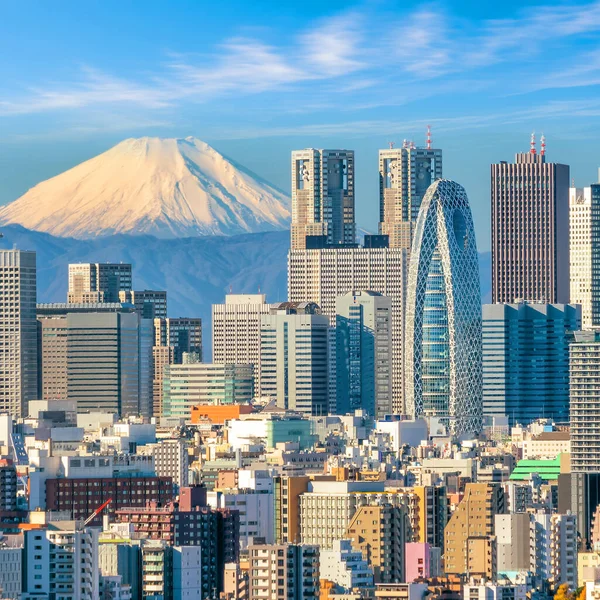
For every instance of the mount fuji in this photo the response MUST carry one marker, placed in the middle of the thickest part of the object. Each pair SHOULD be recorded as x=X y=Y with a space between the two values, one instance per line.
x=167 y=188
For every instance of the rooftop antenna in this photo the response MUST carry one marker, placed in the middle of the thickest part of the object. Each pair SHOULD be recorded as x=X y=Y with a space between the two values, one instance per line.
x=230 y=289
x=428 y=137
x=405 y=143
x=412 y=145
x=543 y=149
x=532 y=144
x=391 y=145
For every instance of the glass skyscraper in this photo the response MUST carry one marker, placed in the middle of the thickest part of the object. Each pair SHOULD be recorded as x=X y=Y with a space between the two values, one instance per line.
x=443 y=313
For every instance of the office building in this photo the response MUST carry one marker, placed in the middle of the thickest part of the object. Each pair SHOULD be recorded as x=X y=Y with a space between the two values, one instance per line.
x=149 y=304
x=363 y=330
x=98 y=282
x=584 y=251
x=526 y=360
x=188 y=385
x=322 y=198
x=322 y=275
x=283 y=572
x=18 y=331
x=472 y=519
x=61 y=561
x=443 y=313
x=294 y=357
x=405 y=173
x=236 y=330
x=530 y=229
x=97 y=355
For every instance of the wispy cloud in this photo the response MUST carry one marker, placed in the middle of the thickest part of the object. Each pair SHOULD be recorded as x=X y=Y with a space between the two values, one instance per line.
x=368 y=58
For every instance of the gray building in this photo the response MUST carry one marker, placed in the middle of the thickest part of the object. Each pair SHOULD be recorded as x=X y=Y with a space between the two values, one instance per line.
x=363 y=330
x=405 y=173
x=149 y=304
x=98 y=282
x=530 y=229
x=294 y=357
x=526 y=360
x=98 y=356
x=18 y=331
x=322 y=198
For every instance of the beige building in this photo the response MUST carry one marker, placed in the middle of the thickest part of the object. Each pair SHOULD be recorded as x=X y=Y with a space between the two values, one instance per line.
x=283 y=572
x=473 y=518
x=287 y=491
x=98 y=282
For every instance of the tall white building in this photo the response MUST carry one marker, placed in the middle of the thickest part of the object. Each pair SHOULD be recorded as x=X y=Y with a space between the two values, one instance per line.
x=345 y=566
x=62 y=561
x=321 y=275
x=584 y=252
x=18 y=331
x=322 y=198
x=236 y=330
x=405 y=173
x=294 y=357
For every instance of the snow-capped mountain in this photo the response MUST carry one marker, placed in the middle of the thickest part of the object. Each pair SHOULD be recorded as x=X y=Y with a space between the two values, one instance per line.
x=167 y=188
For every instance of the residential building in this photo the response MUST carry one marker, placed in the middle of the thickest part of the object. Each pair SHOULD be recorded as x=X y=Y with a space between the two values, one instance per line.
x=443 y=313
x=97 y=355
x=287 y=492
x=405 y=173
x=345 y=566
x=431 y=515
x=490 y=590
x=187 y=385
x=423 y=561
x=322 y=198
x=171 y=459
x=98 y=282
x=473 y=518
x=149 y=304
x=11 y=570
x=61 y=560
x=514 y=541
x=401 y=591
x=236 y=330
x=283 y=572
x=363 y=329
x=380 y=532
x=18 y=331
x=526 y=360
x=530 y=229
x=294 y=357
x=322 y=275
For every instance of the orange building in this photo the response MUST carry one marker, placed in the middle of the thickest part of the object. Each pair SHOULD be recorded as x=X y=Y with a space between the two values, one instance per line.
x=219 y=413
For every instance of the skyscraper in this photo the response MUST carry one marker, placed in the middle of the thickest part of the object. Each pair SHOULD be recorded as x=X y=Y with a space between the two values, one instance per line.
x=18 y=331
x=443 y=313
x=294 y=357
x=584 y=251
x=404 y=175
x=149 y=304
x=530 y=229
x=98 y=282
x=322 y=198
x=526 y=360
x=364 y=353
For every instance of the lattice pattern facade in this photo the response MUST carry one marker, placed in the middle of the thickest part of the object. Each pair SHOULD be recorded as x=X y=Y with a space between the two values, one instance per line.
x=443 y=313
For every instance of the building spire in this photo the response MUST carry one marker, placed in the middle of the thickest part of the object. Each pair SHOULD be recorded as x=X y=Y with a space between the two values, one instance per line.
x=428 y=137
x=532 y=144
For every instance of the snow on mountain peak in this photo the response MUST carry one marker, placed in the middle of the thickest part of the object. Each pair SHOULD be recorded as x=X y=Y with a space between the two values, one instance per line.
x=164 y=187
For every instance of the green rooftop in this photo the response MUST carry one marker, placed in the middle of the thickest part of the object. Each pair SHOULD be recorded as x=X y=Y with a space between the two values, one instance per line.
x=548 y=470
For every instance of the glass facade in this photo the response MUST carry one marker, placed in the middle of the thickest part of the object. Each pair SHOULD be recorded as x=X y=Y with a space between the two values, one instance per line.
x=443 y=314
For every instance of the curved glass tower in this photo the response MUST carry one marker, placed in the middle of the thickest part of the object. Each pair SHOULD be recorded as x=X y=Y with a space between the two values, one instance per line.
x=443 y=313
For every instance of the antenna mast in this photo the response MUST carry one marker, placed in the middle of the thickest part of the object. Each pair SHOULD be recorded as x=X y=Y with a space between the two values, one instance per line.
x=428 y=137
x=532 y=144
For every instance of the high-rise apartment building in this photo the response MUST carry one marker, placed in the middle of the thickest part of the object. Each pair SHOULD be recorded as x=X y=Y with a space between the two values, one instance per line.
x=322 y=198
x=405 y=173
x=363 y=330
x=472 y=519
x=294 y=357
x=96 y=355
x=443 y=313
x=98 y=282
x=236 y=330
x=283 y=572
x=191 y=384
x=526 y=360
x=149 y=304
x=287 y=490
x=18 y=331
x=584 y=252
x=171 y=459
x=323 y=275
x=530 y=230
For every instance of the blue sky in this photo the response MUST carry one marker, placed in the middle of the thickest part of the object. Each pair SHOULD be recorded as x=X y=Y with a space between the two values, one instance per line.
x=257 y=79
